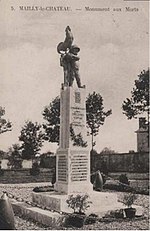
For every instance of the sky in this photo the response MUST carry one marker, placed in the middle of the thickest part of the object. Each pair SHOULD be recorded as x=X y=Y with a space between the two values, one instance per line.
x=114 y=50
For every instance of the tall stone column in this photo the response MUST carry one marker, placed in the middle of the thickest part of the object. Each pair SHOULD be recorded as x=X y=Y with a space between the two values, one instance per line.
x=73 y=156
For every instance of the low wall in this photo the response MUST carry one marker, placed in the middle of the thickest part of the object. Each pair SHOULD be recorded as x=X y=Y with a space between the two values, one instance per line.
x=121 y=162
x=23 y=176
x=25 y=164
x=4 y=163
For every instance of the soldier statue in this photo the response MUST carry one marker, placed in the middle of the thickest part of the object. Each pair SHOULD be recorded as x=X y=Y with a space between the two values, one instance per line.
x=69 y=59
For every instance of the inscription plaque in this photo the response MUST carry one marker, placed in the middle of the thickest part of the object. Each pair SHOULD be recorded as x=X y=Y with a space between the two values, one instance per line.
x=62 y=168
x=77 y=97
x=79 y=163
x=78 y=118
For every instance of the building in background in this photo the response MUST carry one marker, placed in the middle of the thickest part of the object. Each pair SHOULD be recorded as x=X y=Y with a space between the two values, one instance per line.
x=143 y=135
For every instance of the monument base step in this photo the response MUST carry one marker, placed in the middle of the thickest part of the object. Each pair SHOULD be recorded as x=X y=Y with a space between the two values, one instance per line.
x=56 y=220
x=101 y=202
x=44 y=217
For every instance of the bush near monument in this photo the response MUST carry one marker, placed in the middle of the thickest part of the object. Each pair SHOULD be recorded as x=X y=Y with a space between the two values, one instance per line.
x=128 y=200
x=123 y=180
x=79 y=204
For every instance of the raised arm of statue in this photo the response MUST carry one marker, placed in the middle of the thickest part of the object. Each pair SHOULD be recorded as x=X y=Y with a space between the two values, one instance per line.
x=63 y=46
x=69 y=38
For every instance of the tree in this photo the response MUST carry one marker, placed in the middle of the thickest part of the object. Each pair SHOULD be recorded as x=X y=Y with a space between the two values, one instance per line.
x=15 y=157
x=4 y=124
x=32 y=138
x=95 y=117
x=95 y=114
x=51 y=114
x=139 y=101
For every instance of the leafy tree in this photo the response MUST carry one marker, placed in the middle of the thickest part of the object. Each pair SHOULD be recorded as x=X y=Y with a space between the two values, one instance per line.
x=15 y=157
x=139 y=101
x=4 y=124
x=95 y=117
x=32 y=138
x=51 y=114
x=95 y=114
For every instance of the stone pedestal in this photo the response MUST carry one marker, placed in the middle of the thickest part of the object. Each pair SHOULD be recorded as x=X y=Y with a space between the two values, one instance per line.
x=73 y=156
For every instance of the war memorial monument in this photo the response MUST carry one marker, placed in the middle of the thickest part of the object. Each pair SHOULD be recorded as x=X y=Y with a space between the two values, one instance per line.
x=73 y=154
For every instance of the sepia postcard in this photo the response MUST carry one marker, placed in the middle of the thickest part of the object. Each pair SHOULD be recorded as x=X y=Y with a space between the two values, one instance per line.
x=96 y=51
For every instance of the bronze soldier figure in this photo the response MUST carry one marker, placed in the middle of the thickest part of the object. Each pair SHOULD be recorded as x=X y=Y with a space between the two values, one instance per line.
x=69 y=59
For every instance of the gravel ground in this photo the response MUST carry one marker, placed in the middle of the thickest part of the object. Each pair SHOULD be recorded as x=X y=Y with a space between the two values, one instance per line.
x=24 y=191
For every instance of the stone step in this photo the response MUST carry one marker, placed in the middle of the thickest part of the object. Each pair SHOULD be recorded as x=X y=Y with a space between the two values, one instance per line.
x=101 y=201
x=44 y=217
x=56 y=220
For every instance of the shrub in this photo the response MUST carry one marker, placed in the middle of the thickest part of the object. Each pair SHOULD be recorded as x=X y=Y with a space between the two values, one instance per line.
x=123 y=179
x=128 y=199
x=78 y=203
